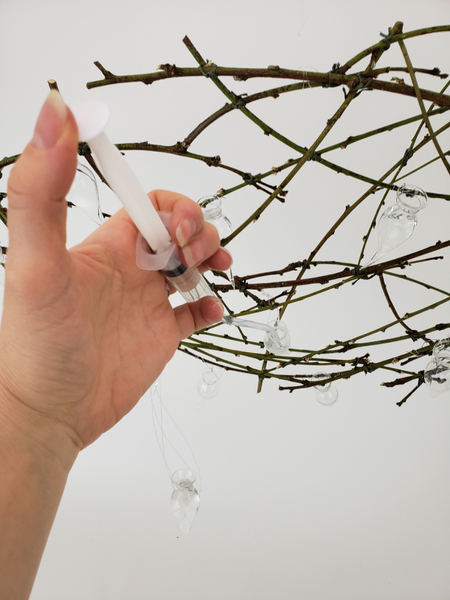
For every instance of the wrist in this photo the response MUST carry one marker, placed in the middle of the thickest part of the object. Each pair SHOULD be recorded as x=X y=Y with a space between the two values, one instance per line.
x=24 y=431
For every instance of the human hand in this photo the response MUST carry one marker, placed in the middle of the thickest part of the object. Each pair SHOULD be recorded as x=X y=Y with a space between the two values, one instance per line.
x=84 y=331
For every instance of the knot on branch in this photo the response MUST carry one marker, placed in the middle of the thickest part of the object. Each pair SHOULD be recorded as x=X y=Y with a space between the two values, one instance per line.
x=170 y=70
x=387 y=38
x=409 y=153
x=241 y=285
x=83 y=149
x=264 y=303
x=334 y=70
x=211 y=72
x=213 y=161
x=238 y=101
x=360 y=360
x=181 y=147
x=414 y=334
x=369 y=367
x=360 y=86
x=361 y=273
x=249 y=178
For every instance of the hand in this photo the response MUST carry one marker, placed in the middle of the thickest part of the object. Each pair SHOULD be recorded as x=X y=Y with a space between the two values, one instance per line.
x=84 y=331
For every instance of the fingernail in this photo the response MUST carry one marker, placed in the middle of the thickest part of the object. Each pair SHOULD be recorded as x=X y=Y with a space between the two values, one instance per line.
x=185 y=231
x=194 y=253
x=50 y=122
x=219 y=311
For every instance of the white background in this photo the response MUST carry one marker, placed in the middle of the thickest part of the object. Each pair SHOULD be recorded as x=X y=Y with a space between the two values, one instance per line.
x=298 y=500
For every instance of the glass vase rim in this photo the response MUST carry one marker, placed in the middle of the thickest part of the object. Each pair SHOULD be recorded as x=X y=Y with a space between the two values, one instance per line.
x=321 y=375
x=417 y=193
x=184 y=475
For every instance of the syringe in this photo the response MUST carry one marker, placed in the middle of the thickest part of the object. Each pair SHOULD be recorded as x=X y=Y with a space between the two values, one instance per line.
x=91 y=117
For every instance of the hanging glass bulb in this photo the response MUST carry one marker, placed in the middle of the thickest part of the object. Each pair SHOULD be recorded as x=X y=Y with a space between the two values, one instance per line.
x=278 y=341
x=212 y=212
x=398 y=222
x=185 y=499
x=326 y=393
x=84 y=194
x=209 y=384
x=437 y=373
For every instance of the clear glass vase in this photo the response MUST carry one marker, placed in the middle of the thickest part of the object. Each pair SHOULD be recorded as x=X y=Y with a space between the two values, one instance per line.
x=213 y=213
x=185 y=500
x=398 y=222
x=209 y=384
x=437 y=373
x=326 y=393
x=277 y=339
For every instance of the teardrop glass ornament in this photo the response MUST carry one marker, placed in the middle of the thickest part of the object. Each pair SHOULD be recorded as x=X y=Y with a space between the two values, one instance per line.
x=84 y=194
x=326 y=393
x=185 y=500
x=398 y=222
x=437 y=372
x=213 y=213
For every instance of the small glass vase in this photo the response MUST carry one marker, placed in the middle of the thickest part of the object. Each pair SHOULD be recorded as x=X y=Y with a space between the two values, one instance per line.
x=209 y=384
x=185 y=500
x=437 y=373
x=398 y=222
x=277 y=339
x=213 y=213
x=326 y=393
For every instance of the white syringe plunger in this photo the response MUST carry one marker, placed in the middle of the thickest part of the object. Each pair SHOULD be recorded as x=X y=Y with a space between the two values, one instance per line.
x=91 y=117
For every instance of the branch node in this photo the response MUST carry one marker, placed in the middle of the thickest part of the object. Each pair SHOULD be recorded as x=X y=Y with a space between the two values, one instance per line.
x=211 y=73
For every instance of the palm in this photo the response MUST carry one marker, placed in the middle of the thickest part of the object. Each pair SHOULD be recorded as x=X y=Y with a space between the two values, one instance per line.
x=134 y=332
x=111 y=323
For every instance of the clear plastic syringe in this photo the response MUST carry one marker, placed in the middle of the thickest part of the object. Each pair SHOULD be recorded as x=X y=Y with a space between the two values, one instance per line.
x=91 y=117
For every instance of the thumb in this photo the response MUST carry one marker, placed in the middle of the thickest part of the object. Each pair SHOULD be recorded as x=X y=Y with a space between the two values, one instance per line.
x=37 y=186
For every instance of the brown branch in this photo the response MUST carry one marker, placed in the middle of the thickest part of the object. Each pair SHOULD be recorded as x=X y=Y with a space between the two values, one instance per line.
x=241 y=73
x=392 y=307
x=403 y=400
x=372 y=270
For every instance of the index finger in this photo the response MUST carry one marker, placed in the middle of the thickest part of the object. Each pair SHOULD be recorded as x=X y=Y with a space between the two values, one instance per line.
x=187 y=217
